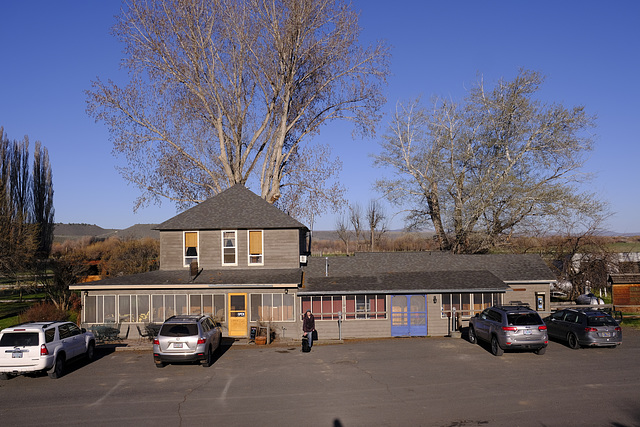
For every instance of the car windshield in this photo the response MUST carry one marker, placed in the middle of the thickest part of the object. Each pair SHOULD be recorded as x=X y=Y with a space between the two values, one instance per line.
x=601 y=321
x=523 y=319
x=179 y=329
x=19 y=339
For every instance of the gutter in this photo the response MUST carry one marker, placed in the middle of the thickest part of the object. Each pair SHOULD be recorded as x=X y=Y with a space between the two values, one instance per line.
x=84 y=287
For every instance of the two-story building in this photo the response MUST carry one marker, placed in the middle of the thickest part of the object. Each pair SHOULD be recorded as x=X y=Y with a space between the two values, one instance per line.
x=244 y=261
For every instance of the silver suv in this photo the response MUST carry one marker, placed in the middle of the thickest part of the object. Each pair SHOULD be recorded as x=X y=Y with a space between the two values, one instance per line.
x=42 y=346
x=187 y=338
x=509 y=327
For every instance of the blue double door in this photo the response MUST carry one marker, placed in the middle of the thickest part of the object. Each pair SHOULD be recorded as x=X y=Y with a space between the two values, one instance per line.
x=408 y=315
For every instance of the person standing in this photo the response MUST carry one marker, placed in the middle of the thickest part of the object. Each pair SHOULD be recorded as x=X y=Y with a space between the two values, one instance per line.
x=308 y=326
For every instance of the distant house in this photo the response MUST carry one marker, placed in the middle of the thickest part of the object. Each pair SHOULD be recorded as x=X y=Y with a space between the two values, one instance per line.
x=244 y=261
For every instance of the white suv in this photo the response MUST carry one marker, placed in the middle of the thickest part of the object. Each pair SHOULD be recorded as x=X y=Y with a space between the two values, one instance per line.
x=42 y=346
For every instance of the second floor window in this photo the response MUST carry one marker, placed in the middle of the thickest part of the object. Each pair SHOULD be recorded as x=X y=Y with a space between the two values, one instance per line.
x=229 y=248
x=190 y=247
x=255 y=247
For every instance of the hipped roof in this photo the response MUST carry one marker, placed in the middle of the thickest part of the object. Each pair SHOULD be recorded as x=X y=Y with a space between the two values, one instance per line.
x=235 y=208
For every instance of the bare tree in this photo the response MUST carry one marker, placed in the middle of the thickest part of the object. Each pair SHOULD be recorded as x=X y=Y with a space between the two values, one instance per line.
x=225 y=91
x=344 y=234
x=376 y=218
x=485 y=169
x=356 y=221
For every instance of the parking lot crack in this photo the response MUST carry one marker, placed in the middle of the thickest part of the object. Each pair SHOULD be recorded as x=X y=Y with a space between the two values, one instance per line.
x=187 y=394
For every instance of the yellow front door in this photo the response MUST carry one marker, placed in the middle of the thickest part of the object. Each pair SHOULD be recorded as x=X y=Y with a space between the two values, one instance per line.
x=237 y=315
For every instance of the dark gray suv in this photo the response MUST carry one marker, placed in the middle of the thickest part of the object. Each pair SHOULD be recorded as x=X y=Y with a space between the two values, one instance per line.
x=187 y=338
x=509 y=327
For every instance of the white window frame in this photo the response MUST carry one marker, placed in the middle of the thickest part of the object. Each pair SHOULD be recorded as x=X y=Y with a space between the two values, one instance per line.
x=235 y=239
x=261 y=262
x=184 y=248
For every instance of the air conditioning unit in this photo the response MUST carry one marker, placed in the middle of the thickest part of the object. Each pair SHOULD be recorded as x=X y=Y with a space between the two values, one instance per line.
x=303 y=259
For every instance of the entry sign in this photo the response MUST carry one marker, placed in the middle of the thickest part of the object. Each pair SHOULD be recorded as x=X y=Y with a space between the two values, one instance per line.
x=240 y=314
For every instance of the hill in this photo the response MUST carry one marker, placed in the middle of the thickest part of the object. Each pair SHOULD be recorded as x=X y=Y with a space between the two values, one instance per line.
x=64 y=232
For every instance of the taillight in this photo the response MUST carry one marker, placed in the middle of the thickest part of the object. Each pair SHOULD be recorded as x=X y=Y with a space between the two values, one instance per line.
x=509 y=328
x=542 y=328
x=156 y=342
x=618 y=328
x=201 y=341
x=43 y=350
x=590 y=330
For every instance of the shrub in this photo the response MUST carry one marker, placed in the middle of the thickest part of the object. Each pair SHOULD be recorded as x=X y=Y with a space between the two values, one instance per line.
x=43 y=311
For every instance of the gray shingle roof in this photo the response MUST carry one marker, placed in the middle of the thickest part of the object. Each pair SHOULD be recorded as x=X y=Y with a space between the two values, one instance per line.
x=422 y=282
x=215 y=278
x=235 y=208
x=429 y=271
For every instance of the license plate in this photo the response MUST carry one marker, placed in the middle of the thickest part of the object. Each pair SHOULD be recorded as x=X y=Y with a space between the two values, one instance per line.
x=605 y=334
x=177 y=345
x=527 y=331
x=17 y=355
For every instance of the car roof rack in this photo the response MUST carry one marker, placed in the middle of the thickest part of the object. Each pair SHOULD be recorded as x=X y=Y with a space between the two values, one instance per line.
x=45 y=324
x=514 y=305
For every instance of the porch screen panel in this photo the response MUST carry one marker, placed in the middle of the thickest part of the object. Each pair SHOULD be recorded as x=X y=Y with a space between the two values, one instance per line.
x=256 y=307
x=276 y=312
x=218 y=307
x=399 y=310
x=377 y=307
x=170 y=306
x=143 y=308
x=327 y=308
x=466 y=304
x=181 y=304
x=124 y=308
x=207 y=305
x=417 y=310
x=350 y=305
x=158 y=308
x=100 y=309
x=316 y=305
x=90 y=309
x=478 y=305
x=287 y=307
x=305 y=304
x=195 y=304
x=109 y=308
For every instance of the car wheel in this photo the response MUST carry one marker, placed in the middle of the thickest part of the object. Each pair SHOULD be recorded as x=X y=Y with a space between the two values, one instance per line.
x=572 y=339
x=4 y=376
x=160 y=365
x=541 y=351
x=90 y=354
x=208 y=361
x=496 y=350
x=473 y=339
x=58 y=367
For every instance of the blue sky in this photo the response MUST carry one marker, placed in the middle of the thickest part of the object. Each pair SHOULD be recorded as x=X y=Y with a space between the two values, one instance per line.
x=589 y=51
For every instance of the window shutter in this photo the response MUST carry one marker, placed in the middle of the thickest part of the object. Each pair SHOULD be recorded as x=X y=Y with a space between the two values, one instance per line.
x=255 y=242
x=191 y=240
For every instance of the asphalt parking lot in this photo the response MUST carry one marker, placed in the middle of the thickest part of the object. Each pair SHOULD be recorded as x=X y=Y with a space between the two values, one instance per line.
x=389 y=382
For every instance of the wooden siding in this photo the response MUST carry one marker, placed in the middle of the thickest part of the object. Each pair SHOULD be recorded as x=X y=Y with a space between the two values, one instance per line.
x=281 y=249
x=626 y=295
x=171 y=251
